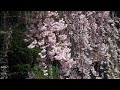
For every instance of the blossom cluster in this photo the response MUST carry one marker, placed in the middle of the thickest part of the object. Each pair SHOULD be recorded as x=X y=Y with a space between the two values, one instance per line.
x=92 y=38
x=52 y=43
x=96 y=38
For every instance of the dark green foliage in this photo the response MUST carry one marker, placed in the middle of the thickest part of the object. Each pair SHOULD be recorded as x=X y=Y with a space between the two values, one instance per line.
x=21 y=59
x=54 y=70
x=19 y=71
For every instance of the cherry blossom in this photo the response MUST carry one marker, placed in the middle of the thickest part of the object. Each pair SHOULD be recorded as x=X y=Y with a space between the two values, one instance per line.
x=88 y=38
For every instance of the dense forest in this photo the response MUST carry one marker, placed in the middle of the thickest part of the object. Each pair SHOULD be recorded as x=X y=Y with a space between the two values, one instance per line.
x=59 y=45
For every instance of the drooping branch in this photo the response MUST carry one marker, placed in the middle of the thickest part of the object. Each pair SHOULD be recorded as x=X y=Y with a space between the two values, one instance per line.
x=91 y=36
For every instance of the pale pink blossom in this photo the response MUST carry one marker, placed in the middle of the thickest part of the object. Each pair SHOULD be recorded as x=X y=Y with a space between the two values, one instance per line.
x=44 y=50
x=62 y=37
x=40 y=43
x=43 y=28
x=31 y=46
